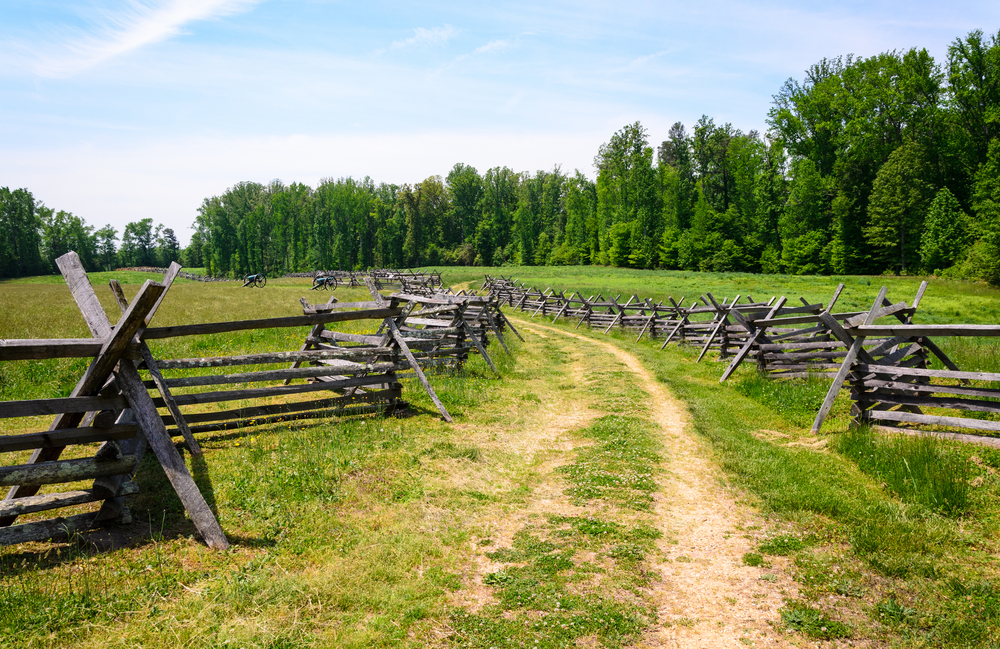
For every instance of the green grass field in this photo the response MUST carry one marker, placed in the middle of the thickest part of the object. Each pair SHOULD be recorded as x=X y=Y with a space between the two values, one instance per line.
x=373 y=531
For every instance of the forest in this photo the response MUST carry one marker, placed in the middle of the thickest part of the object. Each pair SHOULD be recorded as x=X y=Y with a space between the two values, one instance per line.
x=888 y=164
x=32 y=236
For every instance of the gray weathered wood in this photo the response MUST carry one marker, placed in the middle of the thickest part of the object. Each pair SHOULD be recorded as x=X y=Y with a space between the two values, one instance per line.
x=496 y=330
x=268 y=358
x=838 y=382
x=901 y=383
x=77 y=405
x=827 y=344
x=78 y=282
x=273 y=391
x=890 y=309
x=33 y=504
x=64 y=471
x=64 y=437
x=171 y=461
x=836 y=296
x=156 y=333
x=917 y=371
x=915 y=331
x=935 y=420
x=19 y=349
x=394 y=331
x=56 y=528
x=145 y=413
x=251 y=412
x=981 y=440
x=479 y=346
x=385 y=401
x=116 y=341
x=756 y=334
x=168 y=279
x=309 y=309
x=279 y=375
x=508 y=323
x=442 y=299
x=318 y=329
x=856 y=350
x=150 y=362
x=723 y=320
x=901 y=397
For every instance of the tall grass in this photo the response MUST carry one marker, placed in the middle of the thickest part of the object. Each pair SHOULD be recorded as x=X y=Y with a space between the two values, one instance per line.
x=796 y=399
x=970 y=354
x=919 y=470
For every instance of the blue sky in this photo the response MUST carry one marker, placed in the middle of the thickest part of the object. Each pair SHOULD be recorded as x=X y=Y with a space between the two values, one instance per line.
x=120 y=110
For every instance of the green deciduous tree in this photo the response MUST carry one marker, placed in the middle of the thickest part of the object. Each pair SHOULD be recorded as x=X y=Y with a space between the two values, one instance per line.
x=899 y=200
x=974 y=88
x=63 y=231
x=628 y=191
x=137 y=244
x=805 y=224
x=20 y=238
x=947 y=233
x=107 y=253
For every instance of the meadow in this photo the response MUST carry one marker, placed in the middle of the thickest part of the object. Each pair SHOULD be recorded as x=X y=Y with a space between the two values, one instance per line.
x=375 y=531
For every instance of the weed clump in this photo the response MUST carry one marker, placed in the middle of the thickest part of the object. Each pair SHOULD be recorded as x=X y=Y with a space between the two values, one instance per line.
x=781 y=546
x=812 y=622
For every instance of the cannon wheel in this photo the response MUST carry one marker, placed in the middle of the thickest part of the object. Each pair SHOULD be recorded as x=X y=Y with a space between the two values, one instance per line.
x=261 y=281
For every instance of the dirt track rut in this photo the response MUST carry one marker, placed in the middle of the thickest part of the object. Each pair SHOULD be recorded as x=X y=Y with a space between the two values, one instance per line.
x=705 y=595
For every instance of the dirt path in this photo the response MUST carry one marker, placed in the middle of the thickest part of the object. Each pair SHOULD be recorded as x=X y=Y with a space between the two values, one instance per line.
x=706 y=596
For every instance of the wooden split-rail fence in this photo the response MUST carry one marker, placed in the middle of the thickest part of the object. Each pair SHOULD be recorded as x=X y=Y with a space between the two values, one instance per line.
x=885 y=367
x=406 y=281
x=115 y=409
x=707 y=323
x=899 y=389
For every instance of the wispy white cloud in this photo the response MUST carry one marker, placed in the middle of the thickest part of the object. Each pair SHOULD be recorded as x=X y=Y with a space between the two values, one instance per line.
x=636 y=62
x=422 y=36
x=117 y=31
x=492 y=46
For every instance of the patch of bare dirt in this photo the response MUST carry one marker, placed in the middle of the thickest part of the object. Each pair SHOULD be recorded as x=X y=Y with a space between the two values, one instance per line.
x=782 y=439
x=706 y=597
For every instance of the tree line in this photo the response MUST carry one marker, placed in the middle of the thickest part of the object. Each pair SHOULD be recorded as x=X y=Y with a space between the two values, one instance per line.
x=887 y=164
x=32 y=236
